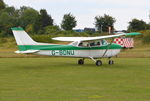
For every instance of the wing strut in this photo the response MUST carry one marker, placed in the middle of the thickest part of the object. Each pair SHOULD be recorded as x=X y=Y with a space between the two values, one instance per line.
x=108 y=47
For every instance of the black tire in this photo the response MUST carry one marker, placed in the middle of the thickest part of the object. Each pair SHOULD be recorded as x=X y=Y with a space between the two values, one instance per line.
x=98 y=63
x=80 y=61
x=111 y=62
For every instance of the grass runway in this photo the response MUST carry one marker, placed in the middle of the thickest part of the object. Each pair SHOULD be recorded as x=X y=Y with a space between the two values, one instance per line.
x=61 y=79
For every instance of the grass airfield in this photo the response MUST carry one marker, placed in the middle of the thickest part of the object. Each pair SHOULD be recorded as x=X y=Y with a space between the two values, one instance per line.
x=61 y=79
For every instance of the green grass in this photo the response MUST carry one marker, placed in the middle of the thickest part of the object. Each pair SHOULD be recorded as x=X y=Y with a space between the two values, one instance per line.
x=61 y=79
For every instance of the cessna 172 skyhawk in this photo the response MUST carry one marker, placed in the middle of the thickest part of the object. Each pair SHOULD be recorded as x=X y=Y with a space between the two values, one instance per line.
x=81 y=47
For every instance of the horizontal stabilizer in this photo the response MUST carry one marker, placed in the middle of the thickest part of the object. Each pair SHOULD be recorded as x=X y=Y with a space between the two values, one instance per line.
x=27 y=51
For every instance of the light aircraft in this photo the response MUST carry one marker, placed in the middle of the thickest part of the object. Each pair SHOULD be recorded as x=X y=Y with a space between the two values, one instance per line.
x=81 y=47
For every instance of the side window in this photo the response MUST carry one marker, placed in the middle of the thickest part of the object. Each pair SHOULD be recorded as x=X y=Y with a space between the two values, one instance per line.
x=80 y=44
x=98 y=43
x=95 y=43
x=83 y=44
x=104 y=42
x=92 y=44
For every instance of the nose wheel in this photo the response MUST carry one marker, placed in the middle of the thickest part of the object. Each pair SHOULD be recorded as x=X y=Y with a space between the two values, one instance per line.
x=98 y=63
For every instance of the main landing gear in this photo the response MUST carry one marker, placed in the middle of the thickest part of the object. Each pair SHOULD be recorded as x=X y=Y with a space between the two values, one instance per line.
x=97 y=62
x=81 y=61
x=110 y=62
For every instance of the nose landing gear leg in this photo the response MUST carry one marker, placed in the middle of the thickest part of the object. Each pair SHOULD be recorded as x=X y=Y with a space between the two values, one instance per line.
x=97 y=62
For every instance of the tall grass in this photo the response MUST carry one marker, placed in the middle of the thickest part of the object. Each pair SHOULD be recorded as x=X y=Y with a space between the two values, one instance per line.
x=8 y=42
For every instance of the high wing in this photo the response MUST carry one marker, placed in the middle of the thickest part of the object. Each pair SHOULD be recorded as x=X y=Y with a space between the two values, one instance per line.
x=92 y=38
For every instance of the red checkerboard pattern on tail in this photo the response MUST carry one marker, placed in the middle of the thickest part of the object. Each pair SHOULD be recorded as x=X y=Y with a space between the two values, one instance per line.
x=125 y=42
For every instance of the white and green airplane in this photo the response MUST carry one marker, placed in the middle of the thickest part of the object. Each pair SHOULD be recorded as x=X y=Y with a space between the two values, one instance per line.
x=81 y=47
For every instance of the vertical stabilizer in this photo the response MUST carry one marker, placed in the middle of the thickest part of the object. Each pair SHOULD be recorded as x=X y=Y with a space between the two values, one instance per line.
x=22 y=38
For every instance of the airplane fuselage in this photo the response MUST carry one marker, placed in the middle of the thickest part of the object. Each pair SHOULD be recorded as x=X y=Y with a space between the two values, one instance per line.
x=73 y=51
x=80 y=53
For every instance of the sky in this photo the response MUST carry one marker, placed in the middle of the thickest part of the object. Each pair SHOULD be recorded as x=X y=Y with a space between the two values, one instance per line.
x=86 y=10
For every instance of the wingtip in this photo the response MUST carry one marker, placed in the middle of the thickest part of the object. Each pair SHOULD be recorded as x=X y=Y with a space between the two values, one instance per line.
x=133 y=33
x=17 y=28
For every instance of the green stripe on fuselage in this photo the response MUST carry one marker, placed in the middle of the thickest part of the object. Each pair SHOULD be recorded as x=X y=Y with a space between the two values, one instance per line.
x=65 y=47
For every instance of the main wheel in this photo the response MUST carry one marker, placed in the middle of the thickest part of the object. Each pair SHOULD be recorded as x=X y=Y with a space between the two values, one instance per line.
x=80 y=61
x=98 y=63
x=111 y=62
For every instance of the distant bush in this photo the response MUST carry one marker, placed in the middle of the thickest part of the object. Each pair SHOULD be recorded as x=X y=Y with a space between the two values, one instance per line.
x=43 y=38
x=145 y=36
x=52 y=30
x=8 y=42
x=3 y=40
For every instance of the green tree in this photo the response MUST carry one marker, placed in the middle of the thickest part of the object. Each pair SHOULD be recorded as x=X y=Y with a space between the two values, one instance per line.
x=27 y=16
x=45 y=19
x=13 y=13
x=68 y=22
x=8 y=19
x=2 y=5
x=137 y=25
x=37 y=25
x=6 y=22
x=102 y=23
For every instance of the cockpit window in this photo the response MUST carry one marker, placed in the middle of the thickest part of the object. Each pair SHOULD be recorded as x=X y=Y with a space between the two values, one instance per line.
x=74 y=43
x=81 y=44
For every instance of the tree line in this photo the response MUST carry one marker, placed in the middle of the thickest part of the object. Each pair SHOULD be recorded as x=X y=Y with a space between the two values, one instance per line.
x=33 y=21
x=40 y=22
